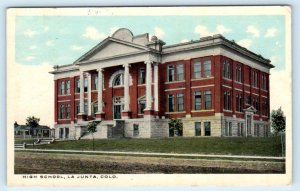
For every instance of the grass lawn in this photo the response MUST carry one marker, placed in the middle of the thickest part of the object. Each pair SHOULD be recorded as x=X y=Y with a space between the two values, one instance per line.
x=204 y=145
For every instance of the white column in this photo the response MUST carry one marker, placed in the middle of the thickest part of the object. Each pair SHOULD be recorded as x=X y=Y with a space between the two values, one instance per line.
x=156 y=86
x=148 y=85
x=100 y=88
x=126 y=87
x=81 y=93
x=89 y=94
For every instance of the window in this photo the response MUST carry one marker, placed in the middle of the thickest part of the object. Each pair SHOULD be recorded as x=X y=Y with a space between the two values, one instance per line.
x=207 y=100
x=256 y=130
x=135 y=130
x=239 y=102
x=66 y=133
x=171 y=103
x=180 y=102
x=95 y=108
x=240 y=130
x=171 y=73
x=238 y=73
x=119 y=79
x=77 y=83
x=142 y=76
x=179 y=70
x=230 y=129
x=95 y=84
x=226 y=69
x=197 y=70
x=197 y=98
x=256 y=104
x=61 y=111
x=264 y=82
x=255 y=79
x=207 y=68
x=207 y=128
x=142 y=106
x=68 y=111
x=77 y=109
x=227 y=100
x=197 y=128
x=85 y=106
x=62 y=88
x=247 y=100
x=265 y=107
x=68 y=87
x=85 y=84
x=266 y=130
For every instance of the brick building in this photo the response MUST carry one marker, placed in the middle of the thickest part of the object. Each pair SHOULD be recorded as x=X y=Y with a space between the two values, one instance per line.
x=216 y=87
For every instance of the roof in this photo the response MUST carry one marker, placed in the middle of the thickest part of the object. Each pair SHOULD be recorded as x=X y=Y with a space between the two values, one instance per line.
x=125 y=37
x=25 y=127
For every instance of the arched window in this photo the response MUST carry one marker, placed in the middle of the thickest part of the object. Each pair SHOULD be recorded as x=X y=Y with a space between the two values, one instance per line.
x=119 y=80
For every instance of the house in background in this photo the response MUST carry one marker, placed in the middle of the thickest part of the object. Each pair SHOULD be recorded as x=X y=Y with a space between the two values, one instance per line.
x=24 y=131
x=134 y=85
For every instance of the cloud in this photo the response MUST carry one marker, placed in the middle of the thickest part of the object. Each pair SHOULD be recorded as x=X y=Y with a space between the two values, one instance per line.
x=271 y=32
x=113 y=30
x=30 y=33
x=30 y=97
x=76 y=47
x=221 y=29
x=159 y=32
x=32 y=47
x=93 y=34
x=274 y=60
x=245 y=43
x=280 y=90
x=203 y=30
x=184 y=40
x=46 y=28
x=29 y=58
x=50 y=43
x=253 y=30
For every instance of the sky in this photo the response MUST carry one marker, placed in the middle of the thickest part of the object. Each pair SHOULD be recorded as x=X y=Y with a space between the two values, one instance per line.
x=44 y=41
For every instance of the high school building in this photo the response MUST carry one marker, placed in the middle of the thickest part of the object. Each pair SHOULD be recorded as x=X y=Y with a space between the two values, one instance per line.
x=134 y=85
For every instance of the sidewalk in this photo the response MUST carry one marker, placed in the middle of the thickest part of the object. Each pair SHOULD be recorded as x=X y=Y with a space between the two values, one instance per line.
x=154 y=154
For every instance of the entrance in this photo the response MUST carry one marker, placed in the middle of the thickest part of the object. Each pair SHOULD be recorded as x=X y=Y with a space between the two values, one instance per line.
x=118 y=106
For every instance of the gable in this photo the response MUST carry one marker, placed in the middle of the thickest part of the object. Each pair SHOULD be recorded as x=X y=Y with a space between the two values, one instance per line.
x=110 y=49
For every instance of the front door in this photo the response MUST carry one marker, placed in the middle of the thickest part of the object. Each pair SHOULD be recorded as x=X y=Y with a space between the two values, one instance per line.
x=118 y=107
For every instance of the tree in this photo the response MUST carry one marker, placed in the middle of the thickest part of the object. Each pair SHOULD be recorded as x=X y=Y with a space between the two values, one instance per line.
x=32 y=121
x=278 y=121
x=92 y=126
x=175 y=127
x=16 y=124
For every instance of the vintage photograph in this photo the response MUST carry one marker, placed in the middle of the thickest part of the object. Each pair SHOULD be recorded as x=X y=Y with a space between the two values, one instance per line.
x=125 y=93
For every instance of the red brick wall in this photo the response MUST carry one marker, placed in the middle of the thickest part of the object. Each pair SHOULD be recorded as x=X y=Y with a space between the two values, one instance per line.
x=216 y=84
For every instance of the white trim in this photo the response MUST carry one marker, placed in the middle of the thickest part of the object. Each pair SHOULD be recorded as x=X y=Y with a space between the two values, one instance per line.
x=255 y=94
x=175 y=112
x=63 y=100
x=202 y=110
x=112 y=77
x=226 y=86
x=199 y=79
x=227 y=79
x=174 y=89
x=248 y=85
x=238 y=89
x=247 y=92
x=172 y=82
x=264 y=96
x=204 y=86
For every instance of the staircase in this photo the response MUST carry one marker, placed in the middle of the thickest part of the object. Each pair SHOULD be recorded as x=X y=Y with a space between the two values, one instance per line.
x=107 y=129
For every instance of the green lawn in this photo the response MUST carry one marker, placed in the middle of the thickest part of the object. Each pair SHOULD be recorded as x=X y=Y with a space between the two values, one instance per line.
x=204 y=145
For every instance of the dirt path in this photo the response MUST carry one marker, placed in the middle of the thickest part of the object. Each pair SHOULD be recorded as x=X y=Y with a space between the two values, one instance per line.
x=44 y=163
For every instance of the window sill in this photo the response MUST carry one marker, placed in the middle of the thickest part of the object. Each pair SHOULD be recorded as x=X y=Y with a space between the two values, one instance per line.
x=203 y=110
x=248 y=85
x=204 y=78
x=172 y=82
x=175 y=112
x=228 y=79
x=64 y=119
x=227 y=110
x=238 y=82
x=64 y=95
